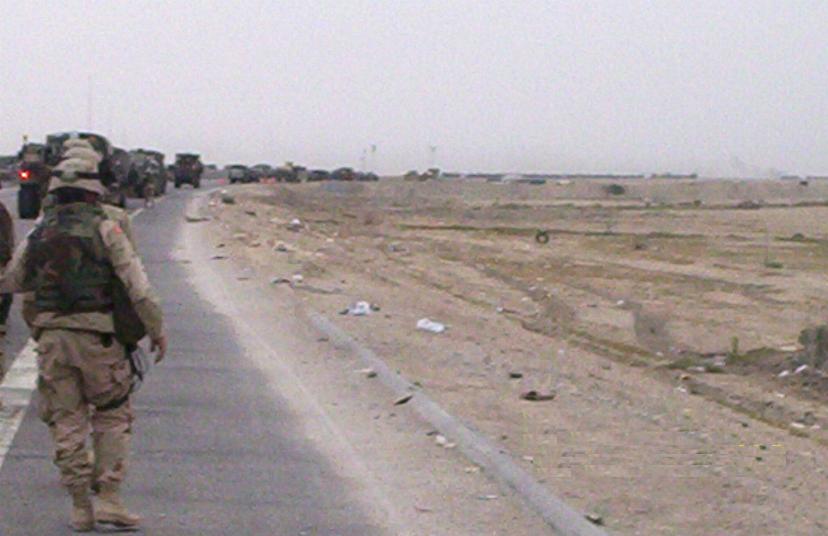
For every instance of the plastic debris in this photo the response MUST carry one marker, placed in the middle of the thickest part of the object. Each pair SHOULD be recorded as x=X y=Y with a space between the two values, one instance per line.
x=800 y=369
x=784 y=373
x=429 y=325
x=360 y=308
x=295 y=225
x=403 y=399
x=515 y=375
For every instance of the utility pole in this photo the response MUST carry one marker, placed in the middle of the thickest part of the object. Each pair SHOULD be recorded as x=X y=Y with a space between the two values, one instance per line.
x=362 y=160
x=373 y=157
x=89 y=102
x=432 y=161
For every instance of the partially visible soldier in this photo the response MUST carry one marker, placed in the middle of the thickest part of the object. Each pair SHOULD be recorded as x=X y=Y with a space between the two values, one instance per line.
x=6 y=250
x=72 y=261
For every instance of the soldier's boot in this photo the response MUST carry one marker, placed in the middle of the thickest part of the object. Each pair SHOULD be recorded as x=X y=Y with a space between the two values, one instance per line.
x=83 y=515
x=110 y=510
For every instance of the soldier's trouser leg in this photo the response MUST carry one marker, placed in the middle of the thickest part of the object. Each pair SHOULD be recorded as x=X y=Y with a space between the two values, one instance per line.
x=78 y=369
x=63 y=408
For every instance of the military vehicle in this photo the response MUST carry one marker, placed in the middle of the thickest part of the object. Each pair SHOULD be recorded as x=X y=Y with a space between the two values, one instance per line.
x=121 y=167
x=37 y=160
x=343 y=174
x=33 y=174
x=263 y=171
x=317 y=175
x=239 y=173
x=187 y=169
x=147 y=167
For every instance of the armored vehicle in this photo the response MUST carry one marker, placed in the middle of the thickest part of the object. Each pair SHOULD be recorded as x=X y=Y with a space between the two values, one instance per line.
x=187 y=169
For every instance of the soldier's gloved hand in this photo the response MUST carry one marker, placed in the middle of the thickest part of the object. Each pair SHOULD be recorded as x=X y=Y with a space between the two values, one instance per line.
x=159 y=346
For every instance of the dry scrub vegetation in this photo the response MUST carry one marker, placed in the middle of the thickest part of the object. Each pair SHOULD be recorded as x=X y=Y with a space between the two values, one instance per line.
x=637 y=303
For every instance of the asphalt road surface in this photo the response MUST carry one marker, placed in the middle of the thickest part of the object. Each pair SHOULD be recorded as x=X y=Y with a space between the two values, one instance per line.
x=209 y=457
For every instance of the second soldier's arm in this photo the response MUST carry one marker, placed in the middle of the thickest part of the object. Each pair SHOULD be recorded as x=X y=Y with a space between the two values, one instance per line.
x=14 y=276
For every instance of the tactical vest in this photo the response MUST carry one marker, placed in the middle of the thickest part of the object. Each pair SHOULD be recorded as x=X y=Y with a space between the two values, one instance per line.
x=66 y=261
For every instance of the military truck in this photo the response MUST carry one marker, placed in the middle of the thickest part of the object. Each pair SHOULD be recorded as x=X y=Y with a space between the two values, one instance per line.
x=239 y=173
x=147 y=167
x=33 y=174
x=187 y=169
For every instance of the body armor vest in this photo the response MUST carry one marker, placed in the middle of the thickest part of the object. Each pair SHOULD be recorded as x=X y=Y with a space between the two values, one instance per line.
x=66 y=262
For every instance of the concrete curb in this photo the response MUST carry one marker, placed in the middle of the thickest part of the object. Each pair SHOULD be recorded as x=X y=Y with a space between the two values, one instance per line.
x=495 y=461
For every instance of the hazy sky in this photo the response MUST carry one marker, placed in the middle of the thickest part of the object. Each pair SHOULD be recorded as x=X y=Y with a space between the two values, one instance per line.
x=716 y=86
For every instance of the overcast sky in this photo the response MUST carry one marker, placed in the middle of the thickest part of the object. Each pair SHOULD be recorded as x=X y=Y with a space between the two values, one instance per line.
x=727 y=86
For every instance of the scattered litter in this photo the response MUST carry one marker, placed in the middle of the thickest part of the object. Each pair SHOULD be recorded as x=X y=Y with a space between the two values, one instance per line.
x=422 y=510
x=595 y=519
x=360 y=308
x=697 y=369
x=542 y=237
x=403 y=399
x=195 y=219
x=441 y=440
x=250 y=212
x=487 y=497
x=297 y=278
x=535 y=396
x=295 y=225
x=515 y=375
x=784 y=373
x=798 y=425
x=228 y=199
x=472 y=469
x=279 y=281
x=280 y=247
x=218 y=257
x=239 y=236
x=620 y=303
x=368 y=372
x=800 y=369
x=429 y=325
x=789 y=348
x=530 y=459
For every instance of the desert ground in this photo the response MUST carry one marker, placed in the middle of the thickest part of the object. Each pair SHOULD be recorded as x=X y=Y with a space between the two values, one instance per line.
x=660 y=326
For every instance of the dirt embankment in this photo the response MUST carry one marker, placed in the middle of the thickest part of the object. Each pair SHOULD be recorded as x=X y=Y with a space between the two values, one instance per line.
x=624 y=315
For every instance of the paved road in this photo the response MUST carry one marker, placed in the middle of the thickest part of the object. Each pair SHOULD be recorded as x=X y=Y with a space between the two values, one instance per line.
x=216 y=452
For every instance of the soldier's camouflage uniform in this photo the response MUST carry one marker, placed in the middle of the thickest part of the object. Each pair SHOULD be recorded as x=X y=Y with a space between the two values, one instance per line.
x=68 y=262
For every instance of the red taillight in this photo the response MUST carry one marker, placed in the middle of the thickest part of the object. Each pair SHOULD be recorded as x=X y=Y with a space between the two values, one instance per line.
x=25 y=174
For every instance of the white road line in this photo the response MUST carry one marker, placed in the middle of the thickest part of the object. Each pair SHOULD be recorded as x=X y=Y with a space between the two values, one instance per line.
x=16 y=390
x=16 y=393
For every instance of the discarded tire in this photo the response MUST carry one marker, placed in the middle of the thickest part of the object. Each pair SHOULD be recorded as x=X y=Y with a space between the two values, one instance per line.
x=542 y=237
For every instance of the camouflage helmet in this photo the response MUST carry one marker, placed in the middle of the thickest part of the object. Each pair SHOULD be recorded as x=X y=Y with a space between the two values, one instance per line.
x=77 y=171
x=80 y=148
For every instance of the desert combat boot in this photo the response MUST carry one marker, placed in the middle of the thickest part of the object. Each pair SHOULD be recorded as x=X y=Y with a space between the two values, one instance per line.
x=110 y=510
x=83 y=517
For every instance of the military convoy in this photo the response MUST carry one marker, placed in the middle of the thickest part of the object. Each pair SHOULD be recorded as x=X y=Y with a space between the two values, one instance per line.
x=142 y=172
x=125 y=173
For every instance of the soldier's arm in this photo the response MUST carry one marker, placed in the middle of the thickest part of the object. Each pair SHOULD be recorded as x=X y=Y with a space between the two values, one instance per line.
x=13 y=278
x=130 y=270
